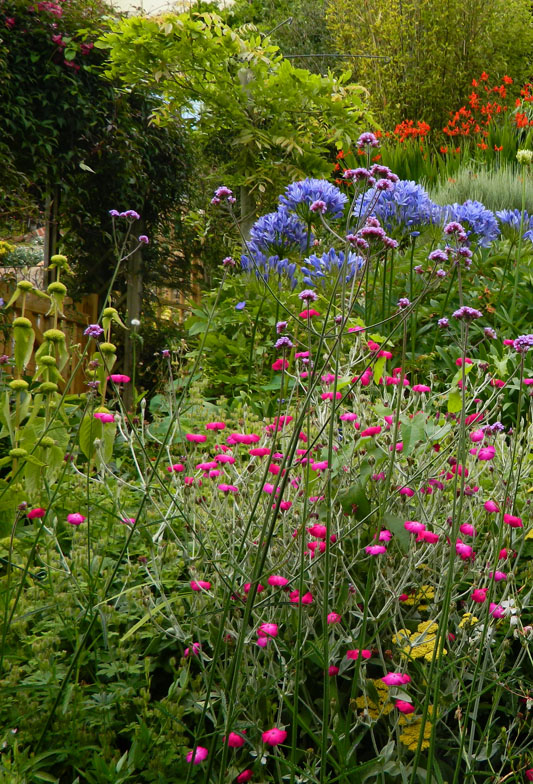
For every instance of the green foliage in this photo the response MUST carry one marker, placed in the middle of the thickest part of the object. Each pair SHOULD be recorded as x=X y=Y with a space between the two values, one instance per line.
x=497 y=189
x=432 y=50
x=277 y=120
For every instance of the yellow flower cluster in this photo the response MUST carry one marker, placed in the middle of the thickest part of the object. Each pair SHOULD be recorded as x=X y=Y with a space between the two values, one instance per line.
x=412 y=726
x=384 y=706
x=419 y=644
x=468 y=620
x=421 y=597
x=5 y=248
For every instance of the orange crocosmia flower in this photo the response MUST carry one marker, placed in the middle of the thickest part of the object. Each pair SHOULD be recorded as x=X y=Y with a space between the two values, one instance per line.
x=484 y=76
x=340 y=154
x=474 y=83
x=482 y=146
x=376 y=157
x=507 y=80
x=444 y=150
x=498 y=149
x=457 y=149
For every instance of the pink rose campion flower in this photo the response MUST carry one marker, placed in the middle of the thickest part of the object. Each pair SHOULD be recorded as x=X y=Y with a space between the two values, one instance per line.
x=196 y=438
x=371 y=431
x=200 y=585
x=176 y=468
x=194 y=650
x=355 y=653
x=348 y=417
x=215 y=426
x=280 y=364
x=245 y=776
x=119 y=378
x=466 y=528
x=333 y=670
x=76 y=518
x=514 y=522
x=486 y=453
x=334 y=617
x=404 y=707
x=199 y=755
x=496 y=610
x=476 y=436
x=277 y=580
x=268 y=630
x=234 y=740
x=246 y=587
x=421 y=388
x=428 y=536
x=407 y=491
x=396 y=679
x=414 y=527
x=320 y=531
x=228 y=488
x=274 y=736
x=464 y=550
x=491 y=506
x=104 y=418
x=375 y=549
x=479 y=595
x=498 y=576
x=36 y=514
x=245 y=438
x=259 y=451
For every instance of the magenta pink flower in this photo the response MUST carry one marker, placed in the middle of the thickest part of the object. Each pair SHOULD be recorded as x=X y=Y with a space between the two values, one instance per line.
x=331 y=396
x=199 y=755
x=407 y=491
x=76 y=518
x=206 y=466
x=104 y=417
x=371 y=431
x=277 y=580
x=225 y=459
x=467 y=529
x=196 y=438
x=194 y=650
x=479 y=595
x=280 y=364
x=274 y=736
x=234 y=740
x=486 y=452
x=464 y=550
x=514 y=522
x=334 y=617
x=333 y=670
x=268 y=630
x=294 y=598
x=200 y=585
x=259 y=451
x=414 y=527
x=428 y=536
x=375 y=549
x=245 y=438
x=385 y=535
x=245 y=776
x=320 y=531
x=396 y=679
x=491 y=506
x=321 y=465
x=476 y=436
x=498 y=576
x=355 y=653
x=404 y=707
x=420 y=388
x=496 y=610
x=119 y=378
x=215 y=426
x=246 y=587
x=228 y=488
x=311 y=313
x=348 y=417
x=176 y=468
x=36 y=514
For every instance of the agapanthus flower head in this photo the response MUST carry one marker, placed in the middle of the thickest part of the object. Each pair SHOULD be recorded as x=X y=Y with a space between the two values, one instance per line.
x=402 y=210
x=278 y=233
x=466 y=313
x=367 y=139
x=299 y=196
x=511 y=221
x=479 y=223
x=319 y=270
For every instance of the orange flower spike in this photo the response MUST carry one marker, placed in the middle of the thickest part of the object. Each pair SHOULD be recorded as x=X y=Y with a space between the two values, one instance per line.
x=507 y=80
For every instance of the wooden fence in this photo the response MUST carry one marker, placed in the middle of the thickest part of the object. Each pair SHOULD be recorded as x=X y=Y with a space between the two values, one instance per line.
x=77 y=315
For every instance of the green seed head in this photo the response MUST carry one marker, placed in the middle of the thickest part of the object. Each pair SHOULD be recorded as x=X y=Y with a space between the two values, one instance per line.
x=57 y=288
x=18 y=452
x=22 y=323
x=18 y=384
x=108 y=348
x=46 y=387
x=48 y=361
x=54 y=335
x=109 y=312
x=25 y=285
x=525 y=157
x=58 y=261
x=47 y=442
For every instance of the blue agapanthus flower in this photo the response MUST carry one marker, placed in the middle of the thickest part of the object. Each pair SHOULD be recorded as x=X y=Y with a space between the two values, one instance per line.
x=299 y=196
x=278 y=233
x=319 y=270
x=268 y=267
x=403 y=211
x=480 y=223
x=510 y=222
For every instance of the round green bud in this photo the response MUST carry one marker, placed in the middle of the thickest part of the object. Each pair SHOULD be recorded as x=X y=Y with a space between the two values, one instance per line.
x=57 y=288
x=54 y=335
x=58 y=260
x=109 y=312
x=107 y=348
x=47 y=442
x=18 y=452
x=48 y=361
x=525 y=157
x=47 y=386
x=22 y=323
x=25 y=285
x=18 y=384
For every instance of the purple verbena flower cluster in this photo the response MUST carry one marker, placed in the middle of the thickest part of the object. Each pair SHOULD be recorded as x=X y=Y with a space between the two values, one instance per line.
x=467 y=313
x=523 y=343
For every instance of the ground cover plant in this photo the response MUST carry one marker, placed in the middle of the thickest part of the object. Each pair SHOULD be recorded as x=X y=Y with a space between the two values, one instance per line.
x=312 y=566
